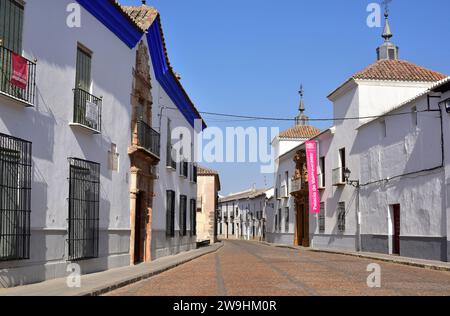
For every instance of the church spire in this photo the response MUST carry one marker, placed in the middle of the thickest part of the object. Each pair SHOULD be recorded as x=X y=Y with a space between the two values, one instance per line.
x=387 y=50
x=301 y=119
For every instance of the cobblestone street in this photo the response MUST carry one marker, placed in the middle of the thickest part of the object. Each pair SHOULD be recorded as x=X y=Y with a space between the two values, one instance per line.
x=251 y=269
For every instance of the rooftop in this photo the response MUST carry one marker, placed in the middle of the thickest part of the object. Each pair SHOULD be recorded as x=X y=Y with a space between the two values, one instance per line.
x=398 y=70
x=249 y=194
x=300 y=131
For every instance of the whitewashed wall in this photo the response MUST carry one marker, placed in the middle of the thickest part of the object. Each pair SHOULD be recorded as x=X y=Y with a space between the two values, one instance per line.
x=407 y=148
x=355 y=99
x=284 y=163
x=47 y=38
x=169 y=179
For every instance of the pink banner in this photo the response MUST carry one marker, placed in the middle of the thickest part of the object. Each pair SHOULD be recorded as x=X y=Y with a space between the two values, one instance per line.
x=311 y=159
x=19 y=75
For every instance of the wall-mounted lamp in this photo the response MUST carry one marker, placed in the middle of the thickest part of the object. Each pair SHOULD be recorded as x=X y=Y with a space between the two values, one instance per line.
x=347 y=174
x=446 y=104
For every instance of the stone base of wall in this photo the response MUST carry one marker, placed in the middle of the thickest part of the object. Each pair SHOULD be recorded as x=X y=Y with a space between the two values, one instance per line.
x=429 y=248
x=49 y=257
x=334 y=242
x=163 y=246
x=279 y=238
x=375 y=243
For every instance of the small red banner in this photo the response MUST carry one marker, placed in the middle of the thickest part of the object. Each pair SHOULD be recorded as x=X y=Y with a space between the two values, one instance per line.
x=19 y=75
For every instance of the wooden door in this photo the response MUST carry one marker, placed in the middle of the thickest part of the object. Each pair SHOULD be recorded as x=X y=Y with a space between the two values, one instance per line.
x=305 y=237
x=138 y=234
x=298 y=225
x=396 y=228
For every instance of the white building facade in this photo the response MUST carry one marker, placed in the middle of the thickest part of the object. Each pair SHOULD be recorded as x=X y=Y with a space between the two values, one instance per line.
x=395 y=199
x=241 y=215
x=66 y=144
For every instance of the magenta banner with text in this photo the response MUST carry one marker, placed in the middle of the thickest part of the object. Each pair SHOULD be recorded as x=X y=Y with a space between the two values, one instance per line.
x=311 y=159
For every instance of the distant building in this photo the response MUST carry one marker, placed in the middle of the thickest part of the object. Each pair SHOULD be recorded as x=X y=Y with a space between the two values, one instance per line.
x=208 y=186
x=383 y=176
x=282 y=224
x=241 y=215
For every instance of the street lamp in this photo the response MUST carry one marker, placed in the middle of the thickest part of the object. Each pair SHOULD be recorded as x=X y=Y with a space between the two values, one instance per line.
x=356 y=184
x=347 y=174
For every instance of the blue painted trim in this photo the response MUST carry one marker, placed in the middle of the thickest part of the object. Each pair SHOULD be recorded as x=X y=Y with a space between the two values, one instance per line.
x=165 y=76
x=107 y=13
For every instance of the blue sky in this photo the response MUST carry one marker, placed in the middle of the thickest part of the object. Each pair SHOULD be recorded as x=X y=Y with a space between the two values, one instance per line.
x=250 y=56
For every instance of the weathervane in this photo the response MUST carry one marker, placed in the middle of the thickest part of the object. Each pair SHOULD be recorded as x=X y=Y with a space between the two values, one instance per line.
x=385 y=3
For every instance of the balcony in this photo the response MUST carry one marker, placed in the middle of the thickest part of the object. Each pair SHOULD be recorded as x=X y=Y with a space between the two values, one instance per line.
x=338 y=177
x=148 y=138
x=25 y=95
x=321 y=178
x=87 y=111
x=199 y=202
x=296 y=185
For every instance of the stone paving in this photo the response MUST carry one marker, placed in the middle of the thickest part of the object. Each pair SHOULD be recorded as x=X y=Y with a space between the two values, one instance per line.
x=243 y=268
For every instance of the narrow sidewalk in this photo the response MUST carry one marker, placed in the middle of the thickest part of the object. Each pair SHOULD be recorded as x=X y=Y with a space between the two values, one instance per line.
x=420 y=263
x=103 y=282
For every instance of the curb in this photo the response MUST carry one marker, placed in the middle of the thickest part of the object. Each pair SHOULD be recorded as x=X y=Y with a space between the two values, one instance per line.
x=111 y=287
x=427 y=266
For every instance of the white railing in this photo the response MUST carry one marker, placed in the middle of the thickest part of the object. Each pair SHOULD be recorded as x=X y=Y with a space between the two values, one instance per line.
x=338 y=177
x=296 y=185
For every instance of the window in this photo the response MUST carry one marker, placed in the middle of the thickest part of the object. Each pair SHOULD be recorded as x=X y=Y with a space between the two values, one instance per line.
x=11 y=25
x=341 y=217
x=342 y=164
x=279 y=219
x=322 y=218
x=383 y=129
x=195 y=173
x=322 y=172
x=286 y=220
x=276 y=222
x=171 y=153
x=183 y=213
x=84 y=201
x=15 y=198
x=286 y=177
x=184 y=167
x=87 y=107
x=170 y=213
x=193 y=217
x=414 y=117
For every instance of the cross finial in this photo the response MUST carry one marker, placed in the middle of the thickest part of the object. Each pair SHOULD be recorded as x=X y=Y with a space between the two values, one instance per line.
x=386 y=7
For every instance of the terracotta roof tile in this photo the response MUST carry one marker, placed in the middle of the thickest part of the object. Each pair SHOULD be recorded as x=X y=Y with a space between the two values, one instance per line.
x=300 y=131
x=143 y=15
x=202 y=171
x=398 y=70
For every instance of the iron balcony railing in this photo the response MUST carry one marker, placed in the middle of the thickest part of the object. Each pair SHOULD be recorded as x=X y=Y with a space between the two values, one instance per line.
x=87 y=110
x=148 y=138
x=338 y=176
x=26 y=95
x=296 y=185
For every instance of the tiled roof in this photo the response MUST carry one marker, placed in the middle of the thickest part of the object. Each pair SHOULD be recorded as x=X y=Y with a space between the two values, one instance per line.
x=249 y=194
x=143 y=15
x=300 y=131
x=202 y=171
x=398 y=70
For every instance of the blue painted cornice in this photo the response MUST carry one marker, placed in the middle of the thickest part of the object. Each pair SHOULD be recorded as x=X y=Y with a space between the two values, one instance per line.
x=110 y=14
x=165 y=75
